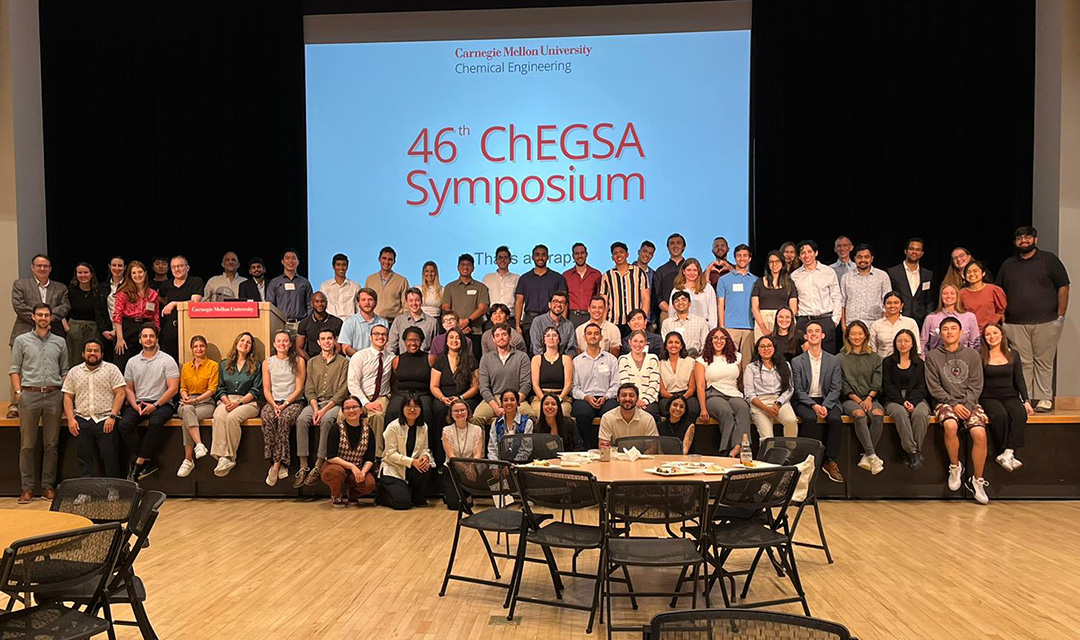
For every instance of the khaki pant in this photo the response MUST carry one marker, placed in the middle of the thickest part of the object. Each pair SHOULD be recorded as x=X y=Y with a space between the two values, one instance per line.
x=225 y=438
x=46 y=409
x=768 y=316
x=1037 y=346
x=744 y=344
x=377 y=422
x=485 y=415
x=191 y=415
x=765 y=424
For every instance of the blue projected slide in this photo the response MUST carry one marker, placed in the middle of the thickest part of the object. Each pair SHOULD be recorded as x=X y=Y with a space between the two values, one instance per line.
x=442 y=148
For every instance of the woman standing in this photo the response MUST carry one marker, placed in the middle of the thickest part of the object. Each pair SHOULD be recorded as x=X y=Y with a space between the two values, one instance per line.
x=552 y=372
x=702 y=294
x=407 y=465
x=884 y=329
x=643 y=371
x=461 y=439
x=985 y=300
x=1004 y=396
x=350 y=456
x=905 y=396
x=790 y=255
x=87 y=315
x=677 y=379
x=136 y=304
x=431 y=290
x=107 y=292
x=679 y=423
x=199 y=379
x=454 y=376
x=283 y=384
x=787 y=338
x=718 y=370
x=772 y=292
x=767 y=387
x=862 y=384
x=240 y=386
x=950 y=306
x=552 y=420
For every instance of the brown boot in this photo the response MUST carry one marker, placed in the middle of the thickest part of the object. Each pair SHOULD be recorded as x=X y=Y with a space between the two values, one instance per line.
x=832 y=470
x=50 y=493
x=26 y=497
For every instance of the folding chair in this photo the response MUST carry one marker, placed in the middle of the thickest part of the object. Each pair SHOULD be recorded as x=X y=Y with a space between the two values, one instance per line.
x=741 y=624
x=799 y=449
x=652 y=445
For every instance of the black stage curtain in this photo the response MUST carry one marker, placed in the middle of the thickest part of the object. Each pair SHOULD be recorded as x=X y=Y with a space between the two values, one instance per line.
x=884 y=120
x=173 y=127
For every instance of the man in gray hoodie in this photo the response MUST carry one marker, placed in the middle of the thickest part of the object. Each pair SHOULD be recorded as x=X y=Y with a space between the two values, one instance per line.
x=954 y=377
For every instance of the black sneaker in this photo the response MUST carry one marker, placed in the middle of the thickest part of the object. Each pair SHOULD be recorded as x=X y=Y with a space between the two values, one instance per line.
x=917 y=460
x=133 y=471
x=147 y=469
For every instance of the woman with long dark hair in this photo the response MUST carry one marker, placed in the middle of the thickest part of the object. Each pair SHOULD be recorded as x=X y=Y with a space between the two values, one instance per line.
x=679 y=423
x=87 y=315
x=718 y=369
x=240 y=382
x=767 y=387
x=1004 y=396
x=283 y=385
x=677 y=379
x=861 y=367
x=407 y=465
x=787 y=338
x=454 y=376
x=772 y=292
x=905 y=396
x=552 y=420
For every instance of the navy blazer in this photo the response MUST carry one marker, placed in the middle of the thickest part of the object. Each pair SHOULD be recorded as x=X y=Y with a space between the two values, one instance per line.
x=832 y=379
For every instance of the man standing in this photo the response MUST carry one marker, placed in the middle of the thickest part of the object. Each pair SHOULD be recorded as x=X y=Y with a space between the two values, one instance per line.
x=501 y=283
x=843 y=265
x=664 y=278
x=596 y=384
x=645 y=255
x=469 y=299
x=319 y=320
x=693 y=329
x=628 y=420
x=413 y=317
x=38 y=364
x=720 y=266
x=582 y=283
x=389 y=286
x=817 y=380
x=369 y=381
x=534 y=289
x=819 y=294
x=340 y=291
x=1037 y=287
x=290 y=292
x=502 y=369
x=863 y=290
x=160 y=266
x=912 y=282
x=623 y=287
x=93 y=398
x=733 y=303
x=638 y=322
x=356 y=331
x=326 y=388
x=153 y=380
x=253 y=288
x=27 y=292
x=610 y=338
x=954 y=377
x=226 y=285
x=555 y=317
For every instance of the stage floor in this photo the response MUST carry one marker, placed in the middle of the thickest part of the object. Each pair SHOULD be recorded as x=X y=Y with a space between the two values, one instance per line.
x=229 y=569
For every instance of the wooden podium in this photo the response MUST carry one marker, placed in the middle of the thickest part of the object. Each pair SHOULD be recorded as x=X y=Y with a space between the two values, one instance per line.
x=221 y=322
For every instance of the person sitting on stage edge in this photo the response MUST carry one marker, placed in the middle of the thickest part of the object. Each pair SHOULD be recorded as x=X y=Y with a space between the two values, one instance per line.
x=861 y=369
x=350 y=456
x=240 y=387
x=407 y=465
x=596 y=383
x=369 y=379
x=627 y=420
x=677 y=379
x=454 y=376
x=718 y=370
x=818 y=380
x=325 y=389
x=643 y=371
x=198 y=384
x=904 y=395
x=767 y=387
x=504 y=368
x=284 y=374
x=92 y=410
x=1004 y=396
x=153 y=380
x=552 y=371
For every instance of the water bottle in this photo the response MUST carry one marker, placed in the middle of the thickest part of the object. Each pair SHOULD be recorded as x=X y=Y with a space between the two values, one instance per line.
x=746 y=456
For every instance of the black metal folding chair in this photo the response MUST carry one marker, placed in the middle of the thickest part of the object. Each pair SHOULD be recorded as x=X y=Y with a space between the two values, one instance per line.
x=473 y=478
x=799 y=449
x=769 y=492
x=124 y=587
x=652 y=445
x=98 y=499
x=656 y=503
x=60 y=561
x=526 y=447
x=559 y=489
x=741 y=624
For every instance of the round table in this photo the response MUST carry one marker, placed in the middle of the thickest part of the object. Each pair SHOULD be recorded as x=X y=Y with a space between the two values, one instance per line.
x=16 y=524
x=622 y=470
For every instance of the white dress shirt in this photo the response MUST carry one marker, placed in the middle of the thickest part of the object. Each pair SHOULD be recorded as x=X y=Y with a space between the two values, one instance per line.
x=340 y=298
x=819 y=291
x=501 y=288
x=364 y=368
x=913 y=277
x=815 y=376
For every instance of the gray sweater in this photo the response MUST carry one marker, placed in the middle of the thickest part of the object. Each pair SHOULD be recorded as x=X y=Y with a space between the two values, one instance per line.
x=956 y=377
x=497 y=376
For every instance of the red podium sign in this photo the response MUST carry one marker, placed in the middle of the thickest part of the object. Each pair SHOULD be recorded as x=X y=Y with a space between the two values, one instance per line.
x=223 y=310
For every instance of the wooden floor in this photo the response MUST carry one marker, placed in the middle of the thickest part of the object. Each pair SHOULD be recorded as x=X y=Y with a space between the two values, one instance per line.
x=230 y=569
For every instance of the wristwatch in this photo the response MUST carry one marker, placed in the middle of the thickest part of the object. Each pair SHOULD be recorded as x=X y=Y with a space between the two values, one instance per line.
x=114 y=416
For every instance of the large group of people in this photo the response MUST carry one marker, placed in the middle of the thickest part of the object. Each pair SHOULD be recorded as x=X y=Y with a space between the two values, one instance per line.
x=397 y=378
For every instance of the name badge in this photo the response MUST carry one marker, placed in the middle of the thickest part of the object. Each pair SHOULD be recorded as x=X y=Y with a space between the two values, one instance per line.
x=926 y=286
x=603 y=368
x=290 y=286
x=737 y=287
x=150 y=306
x=470 y=292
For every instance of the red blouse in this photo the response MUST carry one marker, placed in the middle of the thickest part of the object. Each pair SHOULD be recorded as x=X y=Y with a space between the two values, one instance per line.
x=147 y=307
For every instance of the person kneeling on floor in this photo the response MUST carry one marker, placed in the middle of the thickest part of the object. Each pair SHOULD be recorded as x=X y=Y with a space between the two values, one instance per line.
x=407 y=464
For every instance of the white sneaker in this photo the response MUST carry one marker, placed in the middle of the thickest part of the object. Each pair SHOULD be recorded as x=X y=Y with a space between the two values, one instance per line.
x=283 y=472
x=978 y=487
x=224 y=466
x=1005 y=462
x=864 y=463
x=186 y=467
x=1044 y=406
x=200 y=450
x=1014 y=464
x=877 y=465
x=955 y=472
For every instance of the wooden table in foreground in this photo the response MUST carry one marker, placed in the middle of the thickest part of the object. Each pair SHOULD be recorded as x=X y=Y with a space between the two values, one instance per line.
x=622 y=470
x=16 y=524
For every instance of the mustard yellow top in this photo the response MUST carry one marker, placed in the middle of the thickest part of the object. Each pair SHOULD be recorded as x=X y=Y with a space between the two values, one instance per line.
x=198 y=381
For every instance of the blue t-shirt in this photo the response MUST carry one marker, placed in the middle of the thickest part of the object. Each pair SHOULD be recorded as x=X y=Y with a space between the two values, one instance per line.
x=735 y=289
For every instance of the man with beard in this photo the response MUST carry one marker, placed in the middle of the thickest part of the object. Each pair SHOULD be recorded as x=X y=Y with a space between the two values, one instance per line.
x=254 y=288
x=93 y=398
x=1037 y=287
x=628 y=420
x=583 y=282
x=534 y=289
x=719 y=267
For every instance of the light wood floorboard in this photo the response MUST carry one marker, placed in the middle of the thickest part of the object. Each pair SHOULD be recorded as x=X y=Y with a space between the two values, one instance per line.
x=230 y=569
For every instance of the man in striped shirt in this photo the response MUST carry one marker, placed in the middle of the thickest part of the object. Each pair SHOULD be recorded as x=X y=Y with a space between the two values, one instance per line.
x=625 y=288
